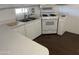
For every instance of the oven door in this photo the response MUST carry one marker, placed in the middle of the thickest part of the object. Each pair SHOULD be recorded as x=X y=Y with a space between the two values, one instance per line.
x=49 y=26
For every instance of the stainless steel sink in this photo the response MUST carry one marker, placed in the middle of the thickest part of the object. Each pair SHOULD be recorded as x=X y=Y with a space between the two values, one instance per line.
x=24 y=20
x=32 y=18
x=28 y=19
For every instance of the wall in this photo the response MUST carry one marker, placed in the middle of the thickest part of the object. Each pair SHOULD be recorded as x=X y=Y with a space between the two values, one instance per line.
x=72 y=21
x=37 y=10
x=36 y=13
x=7 y=15
x=73 y=24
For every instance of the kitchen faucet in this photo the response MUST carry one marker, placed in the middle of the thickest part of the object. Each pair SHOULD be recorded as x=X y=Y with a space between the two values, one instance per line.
x=27 y=16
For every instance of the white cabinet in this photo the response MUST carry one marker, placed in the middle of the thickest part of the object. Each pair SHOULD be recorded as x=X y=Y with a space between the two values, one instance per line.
x=61 y=25
x=33 y=29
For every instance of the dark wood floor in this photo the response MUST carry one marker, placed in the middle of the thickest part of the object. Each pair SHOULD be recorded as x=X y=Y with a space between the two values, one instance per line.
x=67 y=44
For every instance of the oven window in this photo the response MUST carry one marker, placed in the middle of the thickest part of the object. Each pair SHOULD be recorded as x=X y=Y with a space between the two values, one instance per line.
x=50 y=23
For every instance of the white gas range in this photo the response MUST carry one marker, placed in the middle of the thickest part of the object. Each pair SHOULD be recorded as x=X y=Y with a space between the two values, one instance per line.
x=49 y=23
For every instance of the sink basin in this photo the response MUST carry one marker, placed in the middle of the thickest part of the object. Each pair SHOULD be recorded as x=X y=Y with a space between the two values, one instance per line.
x=32 y=18
x=27 y=19
x=24 y=20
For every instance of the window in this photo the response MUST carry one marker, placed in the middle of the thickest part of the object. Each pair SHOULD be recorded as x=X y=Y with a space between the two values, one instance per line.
x=21 y=10
x=26 y=10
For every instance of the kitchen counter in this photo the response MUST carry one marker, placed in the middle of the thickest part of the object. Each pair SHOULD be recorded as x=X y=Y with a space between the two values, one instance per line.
x=12 y=42
x=22 y=23
x=17 y=25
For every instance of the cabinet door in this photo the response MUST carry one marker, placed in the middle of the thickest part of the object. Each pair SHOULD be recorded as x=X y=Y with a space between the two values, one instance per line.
x=20 y=30
x=61 y=26
x=33 y=29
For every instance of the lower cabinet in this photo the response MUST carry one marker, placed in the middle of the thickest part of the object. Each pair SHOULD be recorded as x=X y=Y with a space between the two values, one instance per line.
x=33 y=29
x=62 y=25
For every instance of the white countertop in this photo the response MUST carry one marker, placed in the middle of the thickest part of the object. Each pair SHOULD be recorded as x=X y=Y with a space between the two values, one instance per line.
x=22 y=23
x=14 y=43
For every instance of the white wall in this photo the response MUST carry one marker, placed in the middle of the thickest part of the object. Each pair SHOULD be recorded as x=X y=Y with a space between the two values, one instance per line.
x=37 y=10
x=7 y=15
x=36 y=13
x=72 y=21
x=73 y=24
